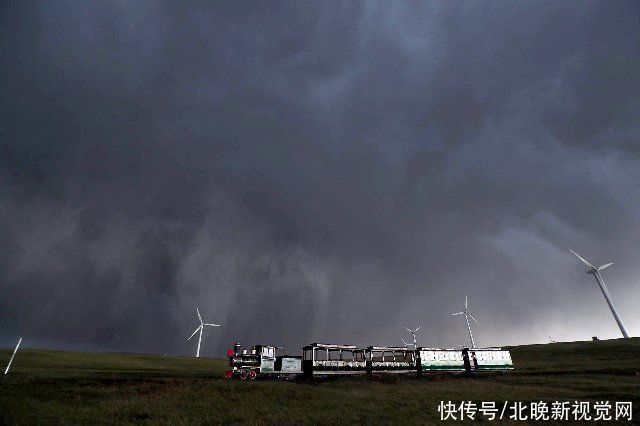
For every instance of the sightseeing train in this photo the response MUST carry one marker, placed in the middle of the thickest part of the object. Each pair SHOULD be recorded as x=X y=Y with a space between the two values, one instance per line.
x=322 y=360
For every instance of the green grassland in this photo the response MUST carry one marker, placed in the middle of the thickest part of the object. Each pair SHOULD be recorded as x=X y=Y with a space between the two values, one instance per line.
x=76 y=388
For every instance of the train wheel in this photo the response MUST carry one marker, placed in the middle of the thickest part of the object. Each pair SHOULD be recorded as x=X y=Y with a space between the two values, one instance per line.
x=252 y=375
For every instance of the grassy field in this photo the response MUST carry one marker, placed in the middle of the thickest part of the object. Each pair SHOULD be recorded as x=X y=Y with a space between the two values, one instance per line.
x=76 y=387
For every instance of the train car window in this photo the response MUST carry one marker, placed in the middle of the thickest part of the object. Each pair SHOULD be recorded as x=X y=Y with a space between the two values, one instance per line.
x=388 y=356
x=268 y=352
x=307 y=355
x=334 y=355
x=359 y=356
x=347 y=355
x=321 y=354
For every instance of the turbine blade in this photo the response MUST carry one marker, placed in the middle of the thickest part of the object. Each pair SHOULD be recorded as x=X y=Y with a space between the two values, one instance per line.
x=194 y=333
x=605 y=266
x=473 y=318
x=199 y=317
x=457 y=313
x=465 y=303
x=582 y=259
x=407 y=329
x=213 y=325
x=417 y=328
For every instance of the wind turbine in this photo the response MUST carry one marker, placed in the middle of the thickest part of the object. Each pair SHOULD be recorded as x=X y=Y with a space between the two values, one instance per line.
x=200 y=328
x=466 y=317
x=413 y=333
x=596 y=273
x=12 y=356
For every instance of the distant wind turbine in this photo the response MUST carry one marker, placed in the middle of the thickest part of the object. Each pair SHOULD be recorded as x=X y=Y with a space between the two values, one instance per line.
x=605 y=292
x=413 y=333
x=466 y=317
x=13 y=356
x=200 y=328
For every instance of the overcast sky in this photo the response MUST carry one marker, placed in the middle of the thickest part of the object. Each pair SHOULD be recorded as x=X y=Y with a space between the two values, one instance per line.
x=316 y=171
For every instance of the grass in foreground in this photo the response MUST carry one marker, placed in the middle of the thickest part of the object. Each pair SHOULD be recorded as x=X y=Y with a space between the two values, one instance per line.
x=76 y=387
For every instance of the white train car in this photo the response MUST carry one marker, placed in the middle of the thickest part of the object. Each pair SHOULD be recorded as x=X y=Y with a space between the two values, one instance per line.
x=487 y=359
x=394 y=360
x=320 y=359
x=432 y=360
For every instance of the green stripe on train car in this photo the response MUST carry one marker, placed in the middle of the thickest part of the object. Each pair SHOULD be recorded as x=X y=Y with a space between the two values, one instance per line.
x=494 y=367
x=442 y=367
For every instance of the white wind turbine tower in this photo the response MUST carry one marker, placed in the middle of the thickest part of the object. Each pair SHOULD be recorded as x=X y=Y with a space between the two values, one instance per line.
x=12 y=356
x=596 y=273
x=466 y=317
x=200 y=328
x=413 y=333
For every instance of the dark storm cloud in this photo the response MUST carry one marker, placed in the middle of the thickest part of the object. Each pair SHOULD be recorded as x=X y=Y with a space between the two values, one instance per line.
x=316 y=171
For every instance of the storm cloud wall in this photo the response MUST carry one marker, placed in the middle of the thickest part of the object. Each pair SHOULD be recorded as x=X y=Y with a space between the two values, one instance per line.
x=322 y=171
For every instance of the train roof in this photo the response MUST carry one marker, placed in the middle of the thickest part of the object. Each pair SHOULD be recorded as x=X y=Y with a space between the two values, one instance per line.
x=421 y=348
x=389 y=348
x=461 y=349
x=485 y=349
x=330 y=346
